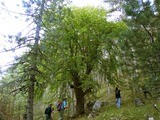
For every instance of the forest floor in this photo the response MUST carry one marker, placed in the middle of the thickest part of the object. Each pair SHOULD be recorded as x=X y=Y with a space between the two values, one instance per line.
x=128 y=110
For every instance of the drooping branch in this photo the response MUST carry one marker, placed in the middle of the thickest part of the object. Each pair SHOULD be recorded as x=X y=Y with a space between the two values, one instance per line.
x=150 y=35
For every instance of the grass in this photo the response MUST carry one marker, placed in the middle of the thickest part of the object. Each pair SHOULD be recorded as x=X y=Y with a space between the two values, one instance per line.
x=128 y=110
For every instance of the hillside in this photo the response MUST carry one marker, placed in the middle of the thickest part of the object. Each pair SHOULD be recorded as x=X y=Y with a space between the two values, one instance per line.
x=128 y=110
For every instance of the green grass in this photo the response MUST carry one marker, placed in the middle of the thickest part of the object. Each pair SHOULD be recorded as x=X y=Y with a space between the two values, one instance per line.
x=128 y=110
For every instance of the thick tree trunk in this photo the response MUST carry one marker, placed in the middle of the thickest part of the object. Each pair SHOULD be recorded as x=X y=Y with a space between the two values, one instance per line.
x=79 y=101
x=79 y=94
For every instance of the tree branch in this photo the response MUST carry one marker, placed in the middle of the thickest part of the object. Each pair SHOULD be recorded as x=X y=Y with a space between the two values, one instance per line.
x=150 y=35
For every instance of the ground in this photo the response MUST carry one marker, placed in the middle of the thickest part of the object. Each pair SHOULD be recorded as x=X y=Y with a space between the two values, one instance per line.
x=128 y=110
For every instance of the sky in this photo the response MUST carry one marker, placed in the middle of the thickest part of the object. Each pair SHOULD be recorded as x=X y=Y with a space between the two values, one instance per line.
x=82 y=3
x=10 y=25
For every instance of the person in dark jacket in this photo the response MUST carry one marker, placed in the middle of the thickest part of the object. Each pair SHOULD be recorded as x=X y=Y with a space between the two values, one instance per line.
x=118 y=97
x=48 y=112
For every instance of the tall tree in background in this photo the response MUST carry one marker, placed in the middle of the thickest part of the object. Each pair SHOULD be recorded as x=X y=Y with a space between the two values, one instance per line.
x=28 y=65
x=141 y=42
x=33 y=57
x=33 y=69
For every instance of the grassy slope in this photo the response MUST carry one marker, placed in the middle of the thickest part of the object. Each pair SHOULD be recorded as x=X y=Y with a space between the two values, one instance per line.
x=128 y=111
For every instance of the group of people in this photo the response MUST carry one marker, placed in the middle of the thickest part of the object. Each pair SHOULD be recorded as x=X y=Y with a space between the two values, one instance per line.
x=61 y=106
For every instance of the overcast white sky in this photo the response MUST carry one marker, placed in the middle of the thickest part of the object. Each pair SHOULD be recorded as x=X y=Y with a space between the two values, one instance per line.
x=88 y=2
x=8 y=22
x=10 y=25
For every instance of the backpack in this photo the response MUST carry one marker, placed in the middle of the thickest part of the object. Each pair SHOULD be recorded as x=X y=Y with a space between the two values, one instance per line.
x=46 y=110
x=59 y=106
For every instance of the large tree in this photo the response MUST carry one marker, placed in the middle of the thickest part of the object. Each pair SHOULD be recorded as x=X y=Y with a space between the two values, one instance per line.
x=75 y=44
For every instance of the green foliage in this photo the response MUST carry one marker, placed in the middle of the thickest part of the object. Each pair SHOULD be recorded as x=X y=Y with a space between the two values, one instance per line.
x=75 y=40
x=139 y=45
x=75 y=44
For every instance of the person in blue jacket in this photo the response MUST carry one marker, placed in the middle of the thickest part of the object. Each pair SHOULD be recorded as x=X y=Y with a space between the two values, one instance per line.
x=63 y=107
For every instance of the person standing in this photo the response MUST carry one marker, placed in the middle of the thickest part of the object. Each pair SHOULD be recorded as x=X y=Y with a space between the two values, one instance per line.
x=48 y=112
x=63 y=106
x=118 y=97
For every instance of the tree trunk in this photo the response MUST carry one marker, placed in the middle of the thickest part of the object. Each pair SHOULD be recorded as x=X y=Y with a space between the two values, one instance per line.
x=79 y=101
x=30 y=99
x=79 y=95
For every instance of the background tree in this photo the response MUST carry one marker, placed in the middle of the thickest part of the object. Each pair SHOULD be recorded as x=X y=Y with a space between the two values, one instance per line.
x=140 y=44
x=29 y=71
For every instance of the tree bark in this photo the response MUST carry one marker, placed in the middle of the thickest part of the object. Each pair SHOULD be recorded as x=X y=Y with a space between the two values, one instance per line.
x=79 y=100
x=79 y=94
x=30 y=99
